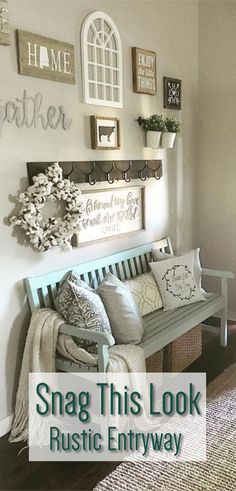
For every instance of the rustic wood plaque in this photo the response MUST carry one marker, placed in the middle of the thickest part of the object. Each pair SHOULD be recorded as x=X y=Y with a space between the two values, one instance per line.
x=111 y=212
x=43 y=57
x=144 y=71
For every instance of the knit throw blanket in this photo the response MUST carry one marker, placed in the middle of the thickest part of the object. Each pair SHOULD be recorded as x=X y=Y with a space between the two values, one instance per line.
x=41 y=345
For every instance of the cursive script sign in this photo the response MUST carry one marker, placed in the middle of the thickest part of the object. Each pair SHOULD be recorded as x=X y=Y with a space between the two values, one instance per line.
x=111 y=212
x=27 y=112
x=43 y=57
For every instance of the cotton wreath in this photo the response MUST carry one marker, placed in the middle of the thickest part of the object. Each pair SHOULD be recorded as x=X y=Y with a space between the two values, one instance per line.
x=49 y=186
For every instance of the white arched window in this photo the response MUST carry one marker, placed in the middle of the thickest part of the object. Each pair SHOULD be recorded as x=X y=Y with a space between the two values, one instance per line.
x=102 y=61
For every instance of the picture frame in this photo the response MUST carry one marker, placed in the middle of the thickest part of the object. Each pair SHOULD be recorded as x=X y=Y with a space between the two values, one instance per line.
x=111 y=213
x=105 y=133
x=144 y=71
x=172 y=93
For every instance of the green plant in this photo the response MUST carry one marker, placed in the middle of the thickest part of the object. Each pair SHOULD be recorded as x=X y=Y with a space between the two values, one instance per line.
x=172 y=125
x=155 y=122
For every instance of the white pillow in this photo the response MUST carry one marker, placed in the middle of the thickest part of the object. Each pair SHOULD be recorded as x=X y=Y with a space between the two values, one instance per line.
x=161 y=256
x=176 y=281
x=145 y=292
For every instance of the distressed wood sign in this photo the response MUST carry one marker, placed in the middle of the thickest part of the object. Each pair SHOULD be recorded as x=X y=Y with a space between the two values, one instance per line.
x=27 y=112
x=43 y=57
x=109 y=213
x=4 y=23
x=144 y=71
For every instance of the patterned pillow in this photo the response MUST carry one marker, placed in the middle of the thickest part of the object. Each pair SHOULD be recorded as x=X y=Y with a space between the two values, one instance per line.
x=81 y=306
x=161 y=256
x=176 y=281
x=145 y=292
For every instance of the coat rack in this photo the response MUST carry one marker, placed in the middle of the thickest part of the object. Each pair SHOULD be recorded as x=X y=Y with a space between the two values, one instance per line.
x=107 y=170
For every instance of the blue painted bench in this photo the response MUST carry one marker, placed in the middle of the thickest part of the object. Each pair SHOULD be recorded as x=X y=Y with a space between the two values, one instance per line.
x=161 y=328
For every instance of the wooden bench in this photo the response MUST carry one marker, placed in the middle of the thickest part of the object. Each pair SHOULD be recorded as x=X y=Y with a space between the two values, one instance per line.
x=161 y=328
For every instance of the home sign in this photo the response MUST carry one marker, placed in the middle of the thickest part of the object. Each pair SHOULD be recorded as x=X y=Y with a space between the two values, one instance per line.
x=43 y=57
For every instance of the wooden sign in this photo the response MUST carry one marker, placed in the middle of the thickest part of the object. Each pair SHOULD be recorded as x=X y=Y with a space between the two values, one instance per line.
x=172 y=93
x=43 y=57
x=144 y=71
x=111 y=212
x=4 y=24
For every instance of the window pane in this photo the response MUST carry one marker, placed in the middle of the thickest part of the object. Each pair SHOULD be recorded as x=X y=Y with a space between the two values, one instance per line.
x=90 y=35
x=99 y=55
x=100 y=91
x=91 y=72
x=115 y=77
x=92 y=90
x=107 y=75
x=100 y=74
x=107 y=57
x=108 y=93
x=114 y=42
x=115 y=60
x=90 y=53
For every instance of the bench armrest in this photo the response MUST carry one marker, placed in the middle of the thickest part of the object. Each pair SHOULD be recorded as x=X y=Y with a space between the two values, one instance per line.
x=100 y=338
x=224 y=277
x=218 y=274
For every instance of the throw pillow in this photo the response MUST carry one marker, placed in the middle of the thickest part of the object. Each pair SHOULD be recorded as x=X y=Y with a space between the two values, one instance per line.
x=176 y=281
x=125 y=319
x=81 y=306
x=145 y=292
x=160 y=256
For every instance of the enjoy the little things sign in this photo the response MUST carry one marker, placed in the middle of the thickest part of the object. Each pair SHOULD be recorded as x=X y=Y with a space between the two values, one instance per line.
x=43 y=57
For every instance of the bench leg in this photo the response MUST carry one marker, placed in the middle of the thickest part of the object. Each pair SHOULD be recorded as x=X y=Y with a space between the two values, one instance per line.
x=223 y=327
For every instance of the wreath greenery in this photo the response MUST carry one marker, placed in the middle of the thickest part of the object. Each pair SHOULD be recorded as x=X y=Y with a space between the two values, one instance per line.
x=49 y=186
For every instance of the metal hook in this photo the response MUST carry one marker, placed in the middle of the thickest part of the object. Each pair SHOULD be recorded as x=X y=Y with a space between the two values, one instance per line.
x=66 y=176
x=143 y=178
x=110 y=179
x=154 y=174
x=89 y=176
x=125 y=173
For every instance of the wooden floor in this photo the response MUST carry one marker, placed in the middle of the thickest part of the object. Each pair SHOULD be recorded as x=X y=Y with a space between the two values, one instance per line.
x=17 y=473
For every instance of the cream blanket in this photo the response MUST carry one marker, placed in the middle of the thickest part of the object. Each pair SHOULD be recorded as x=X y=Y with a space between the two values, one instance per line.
x=41 y=345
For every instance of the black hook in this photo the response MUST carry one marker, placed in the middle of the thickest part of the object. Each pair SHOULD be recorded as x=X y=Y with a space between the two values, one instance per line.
x=71 y=172
x=89 y=176
x=110 y=179
x=154 y=174
x=125 y=173
x=143 y=178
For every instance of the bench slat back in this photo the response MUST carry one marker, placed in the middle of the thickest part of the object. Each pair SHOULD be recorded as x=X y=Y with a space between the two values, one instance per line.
x=42 y=290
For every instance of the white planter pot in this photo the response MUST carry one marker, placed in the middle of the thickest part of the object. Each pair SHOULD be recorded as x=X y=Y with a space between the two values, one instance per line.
x=168 y=139
x=153 y=139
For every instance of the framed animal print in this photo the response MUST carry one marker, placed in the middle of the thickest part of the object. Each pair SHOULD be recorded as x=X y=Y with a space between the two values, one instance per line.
x=172 y=93
x=105 y=133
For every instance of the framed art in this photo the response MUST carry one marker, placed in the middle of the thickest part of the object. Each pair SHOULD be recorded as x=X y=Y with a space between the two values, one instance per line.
x=172 y=93
x=111 y=212
x=105 y=133
x=101 y=61
x=144 y=71
x=46 y=58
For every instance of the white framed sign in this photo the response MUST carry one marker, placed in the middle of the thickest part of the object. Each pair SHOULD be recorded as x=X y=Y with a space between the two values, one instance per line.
x=111 y=212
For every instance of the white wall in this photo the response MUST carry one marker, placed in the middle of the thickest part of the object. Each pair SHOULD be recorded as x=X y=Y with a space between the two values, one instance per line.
x=216 y=151
x=170 y=29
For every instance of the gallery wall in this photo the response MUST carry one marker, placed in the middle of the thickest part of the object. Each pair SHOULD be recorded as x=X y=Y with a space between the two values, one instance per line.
x=169 y=28
x=216 y=145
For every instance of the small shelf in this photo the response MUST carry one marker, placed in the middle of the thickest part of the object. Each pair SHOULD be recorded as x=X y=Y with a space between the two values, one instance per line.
x=102 y=170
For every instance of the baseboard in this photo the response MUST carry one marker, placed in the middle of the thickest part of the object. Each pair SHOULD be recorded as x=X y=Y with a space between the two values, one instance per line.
x=5 y=425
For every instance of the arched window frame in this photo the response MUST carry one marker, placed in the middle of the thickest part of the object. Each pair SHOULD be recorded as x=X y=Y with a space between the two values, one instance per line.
x=102 y=85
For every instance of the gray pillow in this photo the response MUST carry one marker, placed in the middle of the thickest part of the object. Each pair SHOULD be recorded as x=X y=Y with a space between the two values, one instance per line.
x=125 y=319
x=81 y=306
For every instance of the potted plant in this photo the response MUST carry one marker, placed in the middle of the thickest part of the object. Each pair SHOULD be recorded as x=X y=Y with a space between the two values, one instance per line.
x=153 y=127
x=172 y=127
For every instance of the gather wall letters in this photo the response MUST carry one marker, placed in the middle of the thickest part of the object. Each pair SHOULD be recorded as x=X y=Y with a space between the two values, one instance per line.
x=27 y=112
